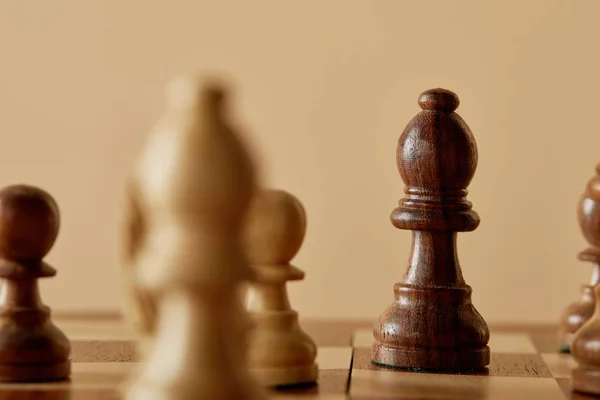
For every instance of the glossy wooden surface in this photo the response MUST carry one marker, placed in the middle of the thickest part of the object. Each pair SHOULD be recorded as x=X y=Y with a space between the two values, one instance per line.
x=586 y=352
x=432 y=324
x=578 y=312
x=32 y=348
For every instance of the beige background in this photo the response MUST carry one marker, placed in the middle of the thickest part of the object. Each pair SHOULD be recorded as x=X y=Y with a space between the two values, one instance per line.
x=325 y=88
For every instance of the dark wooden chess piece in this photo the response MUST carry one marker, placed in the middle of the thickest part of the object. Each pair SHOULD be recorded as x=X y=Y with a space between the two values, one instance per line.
x=432 y=324
x=32 y=348
x=577 y=313
x=585 y=349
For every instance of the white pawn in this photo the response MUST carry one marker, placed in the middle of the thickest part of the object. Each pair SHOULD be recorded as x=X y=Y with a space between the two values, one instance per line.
x=188 y=197
x=281 y=353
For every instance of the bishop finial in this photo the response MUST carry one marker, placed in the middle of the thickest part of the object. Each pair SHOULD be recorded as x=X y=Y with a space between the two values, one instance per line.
x=189 y=92
x=439 y=100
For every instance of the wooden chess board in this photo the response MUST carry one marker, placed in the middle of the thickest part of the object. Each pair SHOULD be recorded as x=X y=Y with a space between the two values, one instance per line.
x=524 y=365
x=518 y=370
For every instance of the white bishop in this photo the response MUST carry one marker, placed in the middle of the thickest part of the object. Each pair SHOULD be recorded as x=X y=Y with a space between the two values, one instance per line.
x=188 y=197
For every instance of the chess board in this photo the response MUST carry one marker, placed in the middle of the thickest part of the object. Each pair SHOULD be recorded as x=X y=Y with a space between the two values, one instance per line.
x=518 y=370
x=104 y=354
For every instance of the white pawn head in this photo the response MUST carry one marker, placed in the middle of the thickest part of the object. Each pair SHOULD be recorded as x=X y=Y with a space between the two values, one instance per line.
x=275 y=228
x=281 y=353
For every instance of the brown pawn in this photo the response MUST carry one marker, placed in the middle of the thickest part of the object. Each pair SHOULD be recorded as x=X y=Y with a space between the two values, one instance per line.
x=432 y=324
x=586 y=352
x=31 y=347
x=577 y=313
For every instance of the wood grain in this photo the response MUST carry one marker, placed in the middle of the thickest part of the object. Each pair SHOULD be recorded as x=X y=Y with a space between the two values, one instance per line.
x=104 y=351
x=585 y=349
x=503 y=364
x=514 y=374
x=432 y=323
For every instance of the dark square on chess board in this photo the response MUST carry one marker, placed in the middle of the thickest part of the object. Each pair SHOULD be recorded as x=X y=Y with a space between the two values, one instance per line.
x=104 y=355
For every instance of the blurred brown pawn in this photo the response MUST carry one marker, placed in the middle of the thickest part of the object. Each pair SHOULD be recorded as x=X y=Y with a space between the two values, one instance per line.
x=579 y=312
x=32 y=348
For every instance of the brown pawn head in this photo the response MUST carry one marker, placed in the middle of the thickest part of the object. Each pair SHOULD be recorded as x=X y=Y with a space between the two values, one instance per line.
x=432 y=324
x=589 y=210
x=578 y=312
x=31 y=347
x=29 y=223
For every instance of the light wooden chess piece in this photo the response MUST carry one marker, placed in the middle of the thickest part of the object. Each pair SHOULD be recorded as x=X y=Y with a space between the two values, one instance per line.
x=577 y=313
x=281 y=353
x=140 y=310
x=189 y=195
